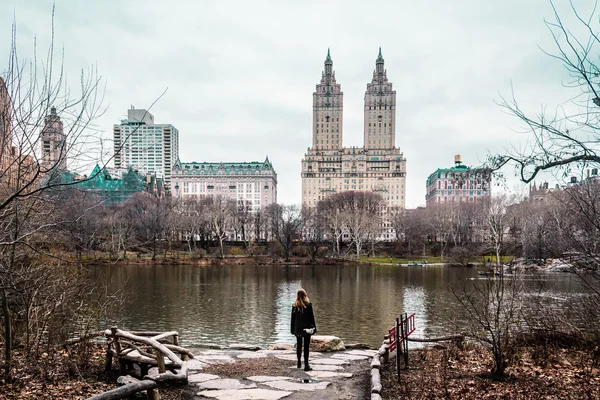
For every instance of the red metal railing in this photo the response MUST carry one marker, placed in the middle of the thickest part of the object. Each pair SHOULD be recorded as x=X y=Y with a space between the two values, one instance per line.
x=397 y=338
x=406 y=326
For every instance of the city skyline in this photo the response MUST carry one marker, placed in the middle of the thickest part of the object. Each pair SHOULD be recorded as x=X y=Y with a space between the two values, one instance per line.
x=239 y=77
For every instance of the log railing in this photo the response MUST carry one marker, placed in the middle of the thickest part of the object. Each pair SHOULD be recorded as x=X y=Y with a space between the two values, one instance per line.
x=159 y=349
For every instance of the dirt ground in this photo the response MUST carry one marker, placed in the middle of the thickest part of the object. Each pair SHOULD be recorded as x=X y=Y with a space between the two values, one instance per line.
x=465 y=374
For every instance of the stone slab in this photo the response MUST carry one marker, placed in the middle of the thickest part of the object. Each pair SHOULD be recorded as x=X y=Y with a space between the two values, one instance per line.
x=329 y=361
x=368 y=353
x=325 y=367
x=225 y=384
x=329 y=374
x=252 y=355
x=349 y=357
x=247 y=394
x=199 y=378
x=194 y=365
x=296 y=386
x=264 y=378
x=287 y=357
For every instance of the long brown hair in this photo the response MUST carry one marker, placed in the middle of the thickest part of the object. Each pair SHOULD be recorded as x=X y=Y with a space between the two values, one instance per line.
x=301 y=300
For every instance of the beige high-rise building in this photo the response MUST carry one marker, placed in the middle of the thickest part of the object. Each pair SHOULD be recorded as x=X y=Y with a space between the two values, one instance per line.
x=379 y=166
x=53 y=141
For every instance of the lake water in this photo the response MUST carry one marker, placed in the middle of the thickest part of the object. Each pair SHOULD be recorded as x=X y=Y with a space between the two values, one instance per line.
x=252 y=304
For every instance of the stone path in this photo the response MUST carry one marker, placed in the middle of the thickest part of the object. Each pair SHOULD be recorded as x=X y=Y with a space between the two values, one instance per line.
x=331 y=377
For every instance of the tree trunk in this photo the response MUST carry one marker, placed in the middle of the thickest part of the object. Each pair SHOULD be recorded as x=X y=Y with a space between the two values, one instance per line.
x=221 y=246
x=7 y=337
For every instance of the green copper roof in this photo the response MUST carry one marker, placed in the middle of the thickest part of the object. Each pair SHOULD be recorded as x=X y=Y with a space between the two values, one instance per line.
x=228 y=167
x=328 y=55
x=380 y=56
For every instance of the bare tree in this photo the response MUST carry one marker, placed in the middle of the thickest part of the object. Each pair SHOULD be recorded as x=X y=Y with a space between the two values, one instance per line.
x=566 y=137
x=313 y=230
x=286 y=223
x=243 y=221
x=493 y=315
x=333 y=211
x=221 y=211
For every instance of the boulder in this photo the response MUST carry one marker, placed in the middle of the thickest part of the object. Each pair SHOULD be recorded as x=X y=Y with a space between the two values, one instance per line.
x=326 y=343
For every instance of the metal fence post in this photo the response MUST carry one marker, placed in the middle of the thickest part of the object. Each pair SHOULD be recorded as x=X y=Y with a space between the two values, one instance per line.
x=398 y=349
x=406 y=331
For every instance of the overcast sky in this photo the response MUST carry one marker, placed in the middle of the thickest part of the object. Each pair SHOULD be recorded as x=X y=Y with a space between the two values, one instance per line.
x=240 y=74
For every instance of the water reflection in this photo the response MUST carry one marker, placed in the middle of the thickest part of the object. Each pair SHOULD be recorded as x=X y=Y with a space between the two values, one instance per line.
x=223 y=305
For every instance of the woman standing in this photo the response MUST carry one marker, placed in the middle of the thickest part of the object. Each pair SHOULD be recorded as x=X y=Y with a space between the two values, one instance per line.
x=303 y=325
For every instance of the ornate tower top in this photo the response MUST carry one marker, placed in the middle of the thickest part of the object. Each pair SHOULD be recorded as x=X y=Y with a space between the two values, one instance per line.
x=379 y=65
x=328 y=64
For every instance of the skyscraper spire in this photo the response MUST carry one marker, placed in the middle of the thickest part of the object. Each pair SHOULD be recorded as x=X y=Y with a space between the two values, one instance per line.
x=328 y=64
x=379 y=64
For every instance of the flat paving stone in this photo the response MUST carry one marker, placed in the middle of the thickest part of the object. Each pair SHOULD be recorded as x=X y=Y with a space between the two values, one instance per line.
x=368 y=353
x=199 y=378
x=325 y=367
x=247 y=394
x=287 y=357
x=195 y=365
x=264 y=378
x=225 y=384
x=329 y=361
x=328 y=374
x=253 y=355
x=349 y=357
x=296 y=386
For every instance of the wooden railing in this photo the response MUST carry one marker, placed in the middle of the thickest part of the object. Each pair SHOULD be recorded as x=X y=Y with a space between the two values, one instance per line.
x=160 y=349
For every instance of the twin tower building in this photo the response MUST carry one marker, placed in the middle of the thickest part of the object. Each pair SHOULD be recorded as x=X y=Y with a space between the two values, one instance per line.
x=379 y=166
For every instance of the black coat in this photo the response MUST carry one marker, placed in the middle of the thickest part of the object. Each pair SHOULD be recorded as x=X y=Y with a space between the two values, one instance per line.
x=302 y=319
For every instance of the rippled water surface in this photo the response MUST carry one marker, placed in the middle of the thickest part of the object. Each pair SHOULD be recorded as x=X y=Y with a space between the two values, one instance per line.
x=252 y=304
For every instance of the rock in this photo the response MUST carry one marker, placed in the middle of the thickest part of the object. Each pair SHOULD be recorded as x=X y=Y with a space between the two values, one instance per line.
x=368 y=353
x=243 y=346
x=326 y=343
x=249 y=394
x=193 y=365
x=287 y=385
x=199 y=378
x=325 y=367
x=225 y=384
x=329 y=361
x=126 y=380
x=375 y=396
x=349 y=357
x=375 y=381
x=287 y=357
x=153 y=371
x=281 y=346
x=328 y=374
x=263 y=378
x=252 y=355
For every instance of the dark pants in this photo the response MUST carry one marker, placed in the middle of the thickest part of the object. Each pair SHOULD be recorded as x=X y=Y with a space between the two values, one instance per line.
x=299 y=348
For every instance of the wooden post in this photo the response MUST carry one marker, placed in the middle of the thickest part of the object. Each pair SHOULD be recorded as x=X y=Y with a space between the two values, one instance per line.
x=160 y=361
x=152 y=394
x=405 y=342
x=108 y=365
x=398 y=349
